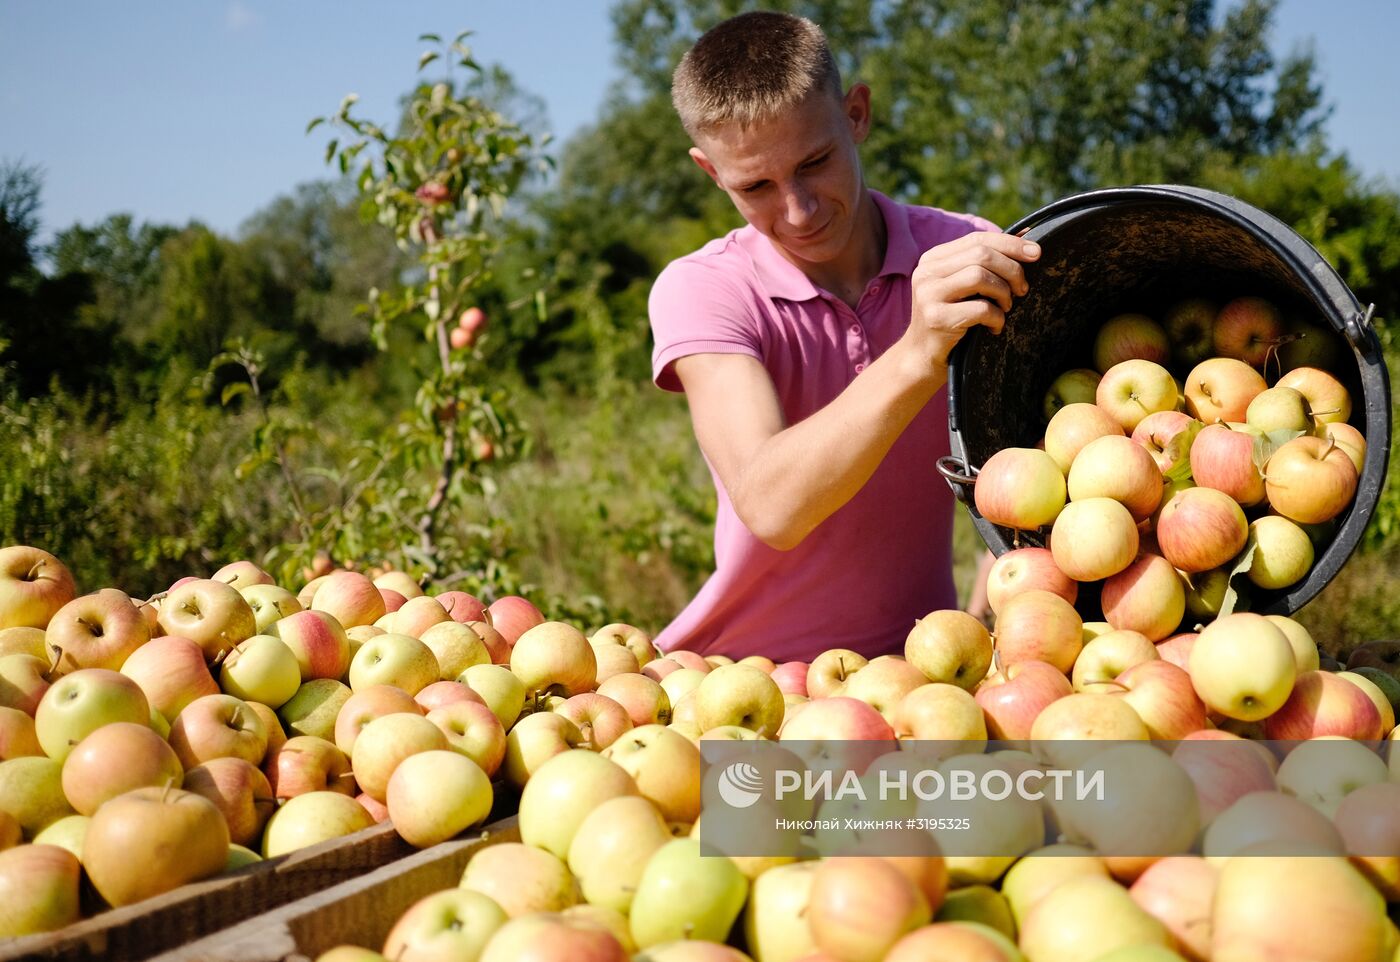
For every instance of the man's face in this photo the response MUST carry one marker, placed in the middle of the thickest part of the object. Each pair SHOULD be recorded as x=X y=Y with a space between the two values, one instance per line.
x=795 y=178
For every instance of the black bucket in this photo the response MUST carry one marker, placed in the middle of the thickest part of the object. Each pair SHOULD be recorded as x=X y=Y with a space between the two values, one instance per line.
x=1139 y=249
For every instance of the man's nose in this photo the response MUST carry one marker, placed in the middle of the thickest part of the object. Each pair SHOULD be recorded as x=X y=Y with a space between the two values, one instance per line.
x=801 y=205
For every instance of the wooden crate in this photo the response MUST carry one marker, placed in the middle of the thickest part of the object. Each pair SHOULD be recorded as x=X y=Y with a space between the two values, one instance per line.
x=358 y=912
x=136 y=932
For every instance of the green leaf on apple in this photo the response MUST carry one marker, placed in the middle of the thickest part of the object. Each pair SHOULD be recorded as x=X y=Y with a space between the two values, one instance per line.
x=1242 y=564
x=1264 y=447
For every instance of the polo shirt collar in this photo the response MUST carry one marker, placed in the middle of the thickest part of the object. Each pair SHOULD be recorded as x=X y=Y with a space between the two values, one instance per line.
x=783 y=279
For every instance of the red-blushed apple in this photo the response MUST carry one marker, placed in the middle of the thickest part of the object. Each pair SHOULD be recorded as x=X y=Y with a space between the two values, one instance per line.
x=313 y=709
x=1167 y=436
x=1039 y=626
x=392 y=659
x=1019 y=488
x=1283 y=552
x=1128 y=336
x=791 y=677
x=659 y=668
x=210 y=613
x=1119 y=468
x=377 y=809
x=1176 y=650
x=496 y=645
x=831 y=669
x=619 y=927
x=322 y=650
x=1073 y=427
x=452 y=924
x=612 y=660
x=34 y=585
x=472 y=730
x=1178 y=891
x=1310 y=480
x=839 y=718
x=99 y=630
x=1162 y=695
x=628 y=636
x=696 y=661
x=269 y=603
x=239 y=791
x=152 y=840
x=535 y=739
x=385 y=742
x=952 y=646
x=218 y=726
x=545 y=937
x=956 y=941
x=434 y=795
x=521 y=879
x=1242 y=666
x=38 y=890
x=643 y=698
x=442 y=693
x=1094 y=539
x=1109 y=655
x=462 y=607
x=600 y=719
x=1320 y=704
x=242 y=574
x=1348 y=438
x=401 y=582
x=1370 y=680
x=1366 y=819
x=351 y=598
x=884 y=682
x=1133 y=389
x=512 y=616
x=1077 y=386
x=1270 y=823
x=1026 y=569
x=1146 y=597
x=393 y=601
x=115 y=759
x=311 y=818
x=17 y=736
x=1220 y=389
x=1011 y=705
x=1201 y=529
x=23 y=681
x=1064 y=726
x=715 y=893
x=859 y=907
x=612 y=846
x=665 y=767
x=1222 y=458
x=1247 y=329
x=456 y=646
x=1328 y=401
x=367 y=704
x=553 y=658
x=305 y=763
x=82 y=702
x=171 y=671
x=276 y=736
x=416 y=616
x=562 y=791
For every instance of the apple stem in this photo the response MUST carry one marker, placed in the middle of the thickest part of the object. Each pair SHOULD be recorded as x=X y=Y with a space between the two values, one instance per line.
x=57 y=658
x=33 y=573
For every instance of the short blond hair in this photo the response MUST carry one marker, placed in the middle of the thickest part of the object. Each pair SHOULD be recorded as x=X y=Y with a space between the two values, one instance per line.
x=750 y=68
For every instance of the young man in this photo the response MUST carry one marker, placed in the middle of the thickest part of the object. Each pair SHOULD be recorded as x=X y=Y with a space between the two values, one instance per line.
x=812 y=346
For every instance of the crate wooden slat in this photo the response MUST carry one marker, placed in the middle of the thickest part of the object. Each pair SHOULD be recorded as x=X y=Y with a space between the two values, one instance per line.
x=136 y=932
x=357 y=912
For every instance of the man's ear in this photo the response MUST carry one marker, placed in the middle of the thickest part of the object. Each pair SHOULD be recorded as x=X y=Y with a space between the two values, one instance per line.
x=703 y=162
x=856 y=106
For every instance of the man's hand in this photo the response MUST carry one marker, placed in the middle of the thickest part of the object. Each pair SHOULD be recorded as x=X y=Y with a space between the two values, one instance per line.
x=964 y=283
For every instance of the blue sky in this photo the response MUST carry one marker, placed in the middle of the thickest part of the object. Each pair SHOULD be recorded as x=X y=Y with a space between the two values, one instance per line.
x=196 y=110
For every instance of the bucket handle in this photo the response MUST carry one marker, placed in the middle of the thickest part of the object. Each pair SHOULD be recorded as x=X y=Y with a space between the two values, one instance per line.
x=959 y=474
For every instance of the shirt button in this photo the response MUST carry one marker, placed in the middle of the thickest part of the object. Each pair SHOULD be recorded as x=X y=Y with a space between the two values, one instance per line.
x=855 y=328
x=860 y=367
x=875 y=288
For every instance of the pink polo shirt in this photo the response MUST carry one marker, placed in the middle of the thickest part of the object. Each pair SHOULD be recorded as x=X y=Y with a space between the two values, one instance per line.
x=884 y=558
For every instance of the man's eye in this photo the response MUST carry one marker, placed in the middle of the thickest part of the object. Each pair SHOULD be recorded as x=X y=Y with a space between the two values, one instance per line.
x=815 y=162
x=751 y=188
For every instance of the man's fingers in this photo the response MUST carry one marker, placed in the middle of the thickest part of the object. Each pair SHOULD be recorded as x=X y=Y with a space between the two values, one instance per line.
x=977 y=312
x=1009 y=244
x=949 y=263
x=973 y=281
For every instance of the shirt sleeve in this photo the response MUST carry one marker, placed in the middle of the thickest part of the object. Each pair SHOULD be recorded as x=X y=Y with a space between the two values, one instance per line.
x=696 y=309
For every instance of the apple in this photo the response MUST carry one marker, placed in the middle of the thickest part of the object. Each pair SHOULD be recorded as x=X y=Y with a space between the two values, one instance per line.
x=695 y=660
x=1220 y=389
x=562 y=791
x=23 y=681
x=831 y=669
x=305 y=764
x=1224 y=768
x=269 y=603
x=1328 y=402
x=1247 y=328
x=452 y=924
x=955 y=941
x=837 y=718
x=1283 y=553
x=31 y=792
x=535 y=739
x=308 y=590
x=403 y=583
x=939 y=712
x=1178 y=891
x=1348 y=438
x=1378 y=687
x=1147 y=597
x=1117 y=467
x=1019 y=488
x=34 y=585
x=81 y=702
x=180 y=837
x=1205 y=591
x=313 y=709
x=367 y=704
x=415 y=616
x=1128 y=336
x=38 y=889
x=398 y=660
x=239 y=790
x=218 y=726
x=1066 y=724
x=791 y=677
x=612 y=846
x=1133 y=389
x=442 y=693
x=1242 y=666
x=775 y=919
x=1040 y=626
x=472 y=730
x=1223 y=458
x=434 y=795
x=1087 y=918
x=261 y=669
x=1152 y=811
x=1012 y=705
x=1167 y=437
x=242 y=574
x=600 y=720
x=521 y=879
x=114 y=759
x=1310 y=480
x=1024 y=569
x=1321 y=703
x=1109 y=655
x=97 y=631
x=171 y=671
x=1305 y=651
x=1094 y=539
x=1162 y=695
x=1279 y=409
x=665 y=767
x=1270 y=823
x=553 y=938
x=499 y=689
x=387 y=741
x=1037 y=873
x=1176 y=650
x=1366 y=819
x=210 y=613
x=954 y=647
x=1073 y=427
x=612 y=660
x=682 y=895
x=462 y=607
x=319 y=642
x=643 y=698
x=1201 y=529
x=1323 y=771
x=633 y=639
x=512 y=616
x=456 y=647
x=680 y=683
x=1190 y=327
x=311 y=818
x=17 y=736
x=1384 y=655
x=1072 y=387
x=553 y=658
x=351 y=598
x=24 y=641
x=883 y=683
x=859 y=907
